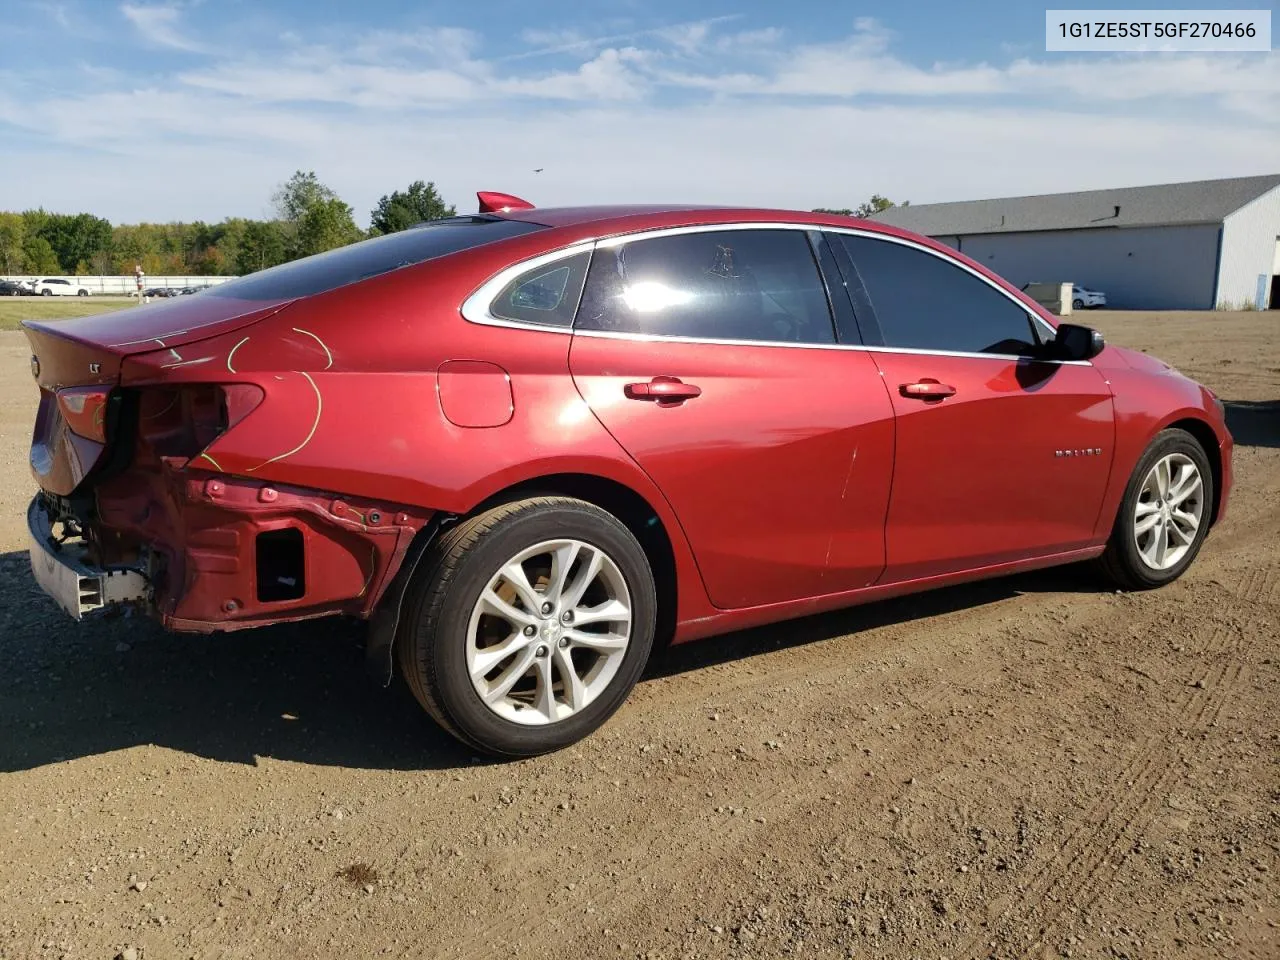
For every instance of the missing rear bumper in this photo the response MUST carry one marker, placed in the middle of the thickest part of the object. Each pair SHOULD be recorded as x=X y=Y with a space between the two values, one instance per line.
x=62 y=569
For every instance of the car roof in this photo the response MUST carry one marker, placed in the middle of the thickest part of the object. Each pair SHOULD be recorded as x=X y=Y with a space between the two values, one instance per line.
x=623 y=218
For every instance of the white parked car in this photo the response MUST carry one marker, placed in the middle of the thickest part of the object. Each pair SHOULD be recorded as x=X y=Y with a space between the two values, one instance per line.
x=57 y=287
x=1083 y=298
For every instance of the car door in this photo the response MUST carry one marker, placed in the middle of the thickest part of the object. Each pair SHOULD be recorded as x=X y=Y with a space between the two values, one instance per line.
x=1000 y=456
x=709 y=354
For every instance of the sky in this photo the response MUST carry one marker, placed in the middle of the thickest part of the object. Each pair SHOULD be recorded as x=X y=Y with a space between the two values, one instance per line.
x=174 y=110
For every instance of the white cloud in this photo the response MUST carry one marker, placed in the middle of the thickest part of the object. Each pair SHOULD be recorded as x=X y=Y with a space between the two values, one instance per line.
x=607 y=77
x=444 y=44
x=347 y=84
x=1246 y=84
x=58 y=12
x=693 y=112
x=159 y=26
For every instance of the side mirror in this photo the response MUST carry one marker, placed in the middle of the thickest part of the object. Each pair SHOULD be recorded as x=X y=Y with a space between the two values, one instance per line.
x=1076 y=342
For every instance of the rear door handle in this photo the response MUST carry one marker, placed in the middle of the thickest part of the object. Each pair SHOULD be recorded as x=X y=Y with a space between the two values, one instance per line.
x=663 y=390
x=927 y=389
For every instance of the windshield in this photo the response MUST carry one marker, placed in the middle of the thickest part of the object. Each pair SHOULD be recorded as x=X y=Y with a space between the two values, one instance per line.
x=358 y=261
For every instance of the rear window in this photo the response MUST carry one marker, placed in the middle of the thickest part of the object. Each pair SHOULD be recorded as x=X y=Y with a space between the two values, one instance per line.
x=368 y=258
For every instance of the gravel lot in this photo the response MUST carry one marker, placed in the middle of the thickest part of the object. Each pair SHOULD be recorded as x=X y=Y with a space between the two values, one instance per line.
x=1034 y=767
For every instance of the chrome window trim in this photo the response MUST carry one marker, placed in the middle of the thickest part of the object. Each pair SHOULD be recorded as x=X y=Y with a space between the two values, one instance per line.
x=668 y=338
x=619 y=239
x=476 y=308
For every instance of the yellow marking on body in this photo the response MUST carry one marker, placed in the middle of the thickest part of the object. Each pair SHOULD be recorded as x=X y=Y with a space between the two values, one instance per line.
x=233 y=353
x=312 y=433
x=319 y=341
x=373 y=565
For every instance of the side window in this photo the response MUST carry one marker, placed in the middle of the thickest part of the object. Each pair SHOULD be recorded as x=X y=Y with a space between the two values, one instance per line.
x=721 y=285
x=924 y=302
x=547 y=294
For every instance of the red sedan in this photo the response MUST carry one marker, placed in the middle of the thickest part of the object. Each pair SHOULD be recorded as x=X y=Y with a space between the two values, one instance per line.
x=528 y=444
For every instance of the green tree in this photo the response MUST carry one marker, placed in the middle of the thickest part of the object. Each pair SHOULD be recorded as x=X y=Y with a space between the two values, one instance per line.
x=874 y=205
x=865 y=209
x=298 y=194
x=75 y=237
x=227 y=238
x=13 y=230
x=34 y=220
x=399 y=211
x=312 y=216
x=38 y=256
x=325 y=225
x=261 y=246
x=132 y=244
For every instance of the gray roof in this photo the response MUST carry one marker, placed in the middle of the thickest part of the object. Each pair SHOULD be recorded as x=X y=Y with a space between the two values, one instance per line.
x=1202 y=201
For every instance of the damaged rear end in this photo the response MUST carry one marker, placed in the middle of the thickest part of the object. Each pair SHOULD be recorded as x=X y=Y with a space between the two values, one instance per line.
x=134 y=508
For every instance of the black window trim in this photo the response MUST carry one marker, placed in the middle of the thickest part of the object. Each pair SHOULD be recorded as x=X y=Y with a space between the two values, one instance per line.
x=475 y=309
x=1037 y=323
x=866 y=326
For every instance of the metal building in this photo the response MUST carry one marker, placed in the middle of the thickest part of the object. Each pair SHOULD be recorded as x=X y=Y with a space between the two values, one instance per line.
x=1176 y=246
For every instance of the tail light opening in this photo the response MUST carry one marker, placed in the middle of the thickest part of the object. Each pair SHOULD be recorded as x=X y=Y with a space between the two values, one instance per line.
x=183 y=421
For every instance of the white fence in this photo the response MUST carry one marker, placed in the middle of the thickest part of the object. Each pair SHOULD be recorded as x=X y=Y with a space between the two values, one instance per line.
x=126 y=284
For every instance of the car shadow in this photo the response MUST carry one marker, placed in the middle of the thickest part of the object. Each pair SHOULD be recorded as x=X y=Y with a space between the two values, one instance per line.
x=295 y=692
x=1076 y=578
x=1254 y=423
x=299 y=692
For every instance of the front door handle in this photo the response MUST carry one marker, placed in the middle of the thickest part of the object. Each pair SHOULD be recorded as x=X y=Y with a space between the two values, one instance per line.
x=927 y=389
x=665 y=390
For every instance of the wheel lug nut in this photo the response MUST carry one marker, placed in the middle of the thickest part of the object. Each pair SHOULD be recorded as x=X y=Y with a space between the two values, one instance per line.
x=547 y=608
x=567 y=616
x=564 y=642
x=541 y=651
x=530 y=630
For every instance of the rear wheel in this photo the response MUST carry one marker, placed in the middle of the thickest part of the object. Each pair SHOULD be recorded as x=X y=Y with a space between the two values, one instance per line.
x=1077 y=304
x=528 y=625
x=1164 y=516
x=46 y=292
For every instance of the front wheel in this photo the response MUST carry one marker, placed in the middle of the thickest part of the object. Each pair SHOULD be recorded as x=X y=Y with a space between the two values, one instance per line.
x=1164 y=516
x=528 y=625
x=82 y=293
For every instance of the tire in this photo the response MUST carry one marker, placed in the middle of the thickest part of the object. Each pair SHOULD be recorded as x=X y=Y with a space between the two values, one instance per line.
x=1077 y=304
x=46 y=293
x=438 y=643
x=1125 y=562
x=82 y=293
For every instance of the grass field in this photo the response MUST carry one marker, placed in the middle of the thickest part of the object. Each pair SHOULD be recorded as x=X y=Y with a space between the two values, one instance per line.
x=15 y=309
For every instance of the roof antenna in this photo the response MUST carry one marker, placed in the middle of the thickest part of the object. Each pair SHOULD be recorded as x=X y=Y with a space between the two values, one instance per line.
x=494 y=202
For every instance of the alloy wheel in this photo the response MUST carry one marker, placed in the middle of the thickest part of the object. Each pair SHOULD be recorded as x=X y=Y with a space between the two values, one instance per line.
x=1169 y=511
x=548 y=632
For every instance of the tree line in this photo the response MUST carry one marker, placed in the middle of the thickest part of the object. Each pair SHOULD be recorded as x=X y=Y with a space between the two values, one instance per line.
x=309 y=218
x=863 y=210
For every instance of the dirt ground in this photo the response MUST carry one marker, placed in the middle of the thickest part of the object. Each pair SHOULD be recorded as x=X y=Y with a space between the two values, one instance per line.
x=1033 y=767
